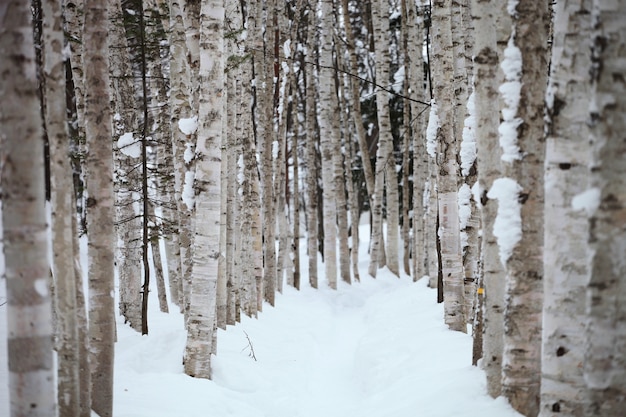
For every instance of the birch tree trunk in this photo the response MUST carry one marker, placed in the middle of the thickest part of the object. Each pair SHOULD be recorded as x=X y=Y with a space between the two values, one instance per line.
x=521 y=191
x=312 y=130
x=266 y=138
x=202 y=312
x=100 y=206
x=352 y=68
x=327 y=139
x=565 y=258
x=63 y=214
x=415 y=80
x=486 y=57
x=605 y=347
x=385 y=141
x=29 y=311
x=343 y=257
x=452 y=267
x=183 y=143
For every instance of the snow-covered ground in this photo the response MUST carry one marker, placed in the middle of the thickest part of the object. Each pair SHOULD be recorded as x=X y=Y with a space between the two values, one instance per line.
x=377 y=348
x=374 y=349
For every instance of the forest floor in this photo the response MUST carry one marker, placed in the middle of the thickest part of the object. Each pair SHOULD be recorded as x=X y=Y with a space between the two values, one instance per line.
x=376 y=348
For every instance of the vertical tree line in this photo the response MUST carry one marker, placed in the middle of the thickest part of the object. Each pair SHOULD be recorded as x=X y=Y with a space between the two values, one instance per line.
x=199 y=144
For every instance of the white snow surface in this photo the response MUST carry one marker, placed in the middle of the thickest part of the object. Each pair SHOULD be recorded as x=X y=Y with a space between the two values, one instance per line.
x=510 y=93
x=188 y=126
x=129 y=145
x=378 y=348
x=507 y=227
x=431 y=130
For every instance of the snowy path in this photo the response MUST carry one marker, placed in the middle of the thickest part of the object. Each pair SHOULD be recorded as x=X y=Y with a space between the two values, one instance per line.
x=375 y=349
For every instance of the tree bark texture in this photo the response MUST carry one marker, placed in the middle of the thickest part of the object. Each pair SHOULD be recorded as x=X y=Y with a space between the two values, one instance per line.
x=565 y=258
x=100 y=210
x=202 y=313
x=605 y=347
x=29 y=312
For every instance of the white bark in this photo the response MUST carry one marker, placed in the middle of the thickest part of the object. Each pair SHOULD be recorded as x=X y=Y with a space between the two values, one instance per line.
x=29 y=312
x=100 y=209
x=605 y=347
x=524 y=267
x=487 y=118
x=180 y=108
x=310 y=164
x=565 y=258
x=202 y=312
x=447 y=168
x=63 y=214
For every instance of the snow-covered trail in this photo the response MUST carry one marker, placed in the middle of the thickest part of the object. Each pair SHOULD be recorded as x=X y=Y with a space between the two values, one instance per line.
x=374 y=349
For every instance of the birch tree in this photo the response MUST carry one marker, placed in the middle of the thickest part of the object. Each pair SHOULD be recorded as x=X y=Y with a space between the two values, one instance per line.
x=99 y=205
x=565 y=258
x=29 y=312
x=202 y=312
x=311 y=166
x=183 y=142
x=486 y=58
x=63 y=226
x=520 y=198
x=605 y=333
x=385 y=161
x=447 y=177
x=327 y=138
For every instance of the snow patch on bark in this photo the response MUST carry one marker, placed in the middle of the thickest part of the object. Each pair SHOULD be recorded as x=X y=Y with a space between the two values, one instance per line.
x=465 y=212
x=431 y=131
x=41 y=286
x=511 y=7
x=588 y=200
x=398 y=80
x=129 y=146
x=477 y=192
x=188 y=126
x=189 y=195
x=507 y=227
x=510 y=93
x=189 y=153
x=468 y=144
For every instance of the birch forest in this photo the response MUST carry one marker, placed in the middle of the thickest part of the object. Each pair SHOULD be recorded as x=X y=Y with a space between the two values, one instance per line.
x=214 y=150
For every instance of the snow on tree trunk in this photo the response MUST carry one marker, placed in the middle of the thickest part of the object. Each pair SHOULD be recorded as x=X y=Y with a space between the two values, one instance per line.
x=519 y=223
x=202 y=309
x=100 y=201
x=487 y=119
x=566 y=270
x=605 y=348
x=183 y=142
x=29 y=311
